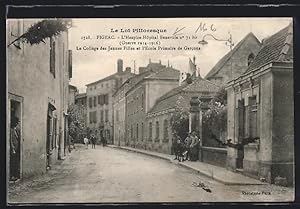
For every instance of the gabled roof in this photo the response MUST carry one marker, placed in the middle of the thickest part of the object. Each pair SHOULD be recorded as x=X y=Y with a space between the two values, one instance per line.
x=182 y=94
x=177 y=100
x=72 y=87
x=278 y=47
x=167 y=73
x=220 y=64
x=110 y=77
x=133 y=80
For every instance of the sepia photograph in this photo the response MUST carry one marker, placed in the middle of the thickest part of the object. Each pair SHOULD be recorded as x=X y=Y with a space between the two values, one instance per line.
x=149 y=110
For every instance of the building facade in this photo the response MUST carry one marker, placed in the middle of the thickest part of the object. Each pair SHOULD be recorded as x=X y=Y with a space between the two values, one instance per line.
x=261 y=112
x=100 y=102
x=73 y=91
x=38 y=81
x=141 y=97
x=119 y=108
x=235 y=62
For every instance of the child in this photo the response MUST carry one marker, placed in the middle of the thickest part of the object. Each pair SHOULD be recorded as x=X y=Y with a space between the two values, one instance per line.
x=86 y=142
x=179 y=150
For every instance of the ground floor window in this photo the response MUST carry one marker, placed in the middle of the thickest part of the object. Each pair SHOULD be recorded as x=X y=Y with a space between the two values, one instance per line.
x=157 y=131
x=166 y=133
x=150 y=131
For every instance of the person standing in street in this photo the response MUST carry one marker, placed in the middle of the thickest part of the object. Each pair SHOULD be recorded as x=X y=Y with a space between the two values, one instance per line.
x=187 y=142
x=86 y=142
x=194 y=147
x=14 y=148
x=93 y=139
x=102 y=140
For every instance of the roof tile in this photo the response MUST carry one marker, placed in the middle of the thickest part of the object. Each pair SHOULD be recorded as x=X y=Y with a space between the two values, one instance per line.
x=277 y=47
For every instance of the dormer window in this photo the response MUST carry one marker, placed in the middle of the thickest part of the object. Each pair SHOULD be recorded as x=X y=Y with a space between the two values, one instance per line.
x=250 y=58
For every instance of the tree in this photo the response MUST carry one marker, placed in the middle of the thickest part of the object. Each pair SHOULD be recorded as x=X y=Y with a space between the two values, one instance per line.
x=180 y=123
x=44 y=29
x=76 y=122
x=215 y=118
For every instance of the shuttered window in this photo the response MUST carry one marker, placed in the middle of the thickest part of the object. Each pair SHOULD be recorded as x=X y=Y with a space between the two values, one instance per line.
x=157 y=131
x=90 y=102
x=166 y=133
x=52 y=56
x=150 y=131
x=101 y=115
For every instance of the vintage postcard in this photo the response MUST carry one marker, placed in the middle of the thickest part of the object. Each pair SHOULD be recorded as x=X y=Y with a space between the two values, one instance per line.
x=135 y=110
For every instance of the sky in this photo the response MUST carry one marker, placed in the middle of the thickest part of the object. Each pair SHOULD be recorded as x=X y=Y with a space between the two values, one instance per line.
x=90 y=65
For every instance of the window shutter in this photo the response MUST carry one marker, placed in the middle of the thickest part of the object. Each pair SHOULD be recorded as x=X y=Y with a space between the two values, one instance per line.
x=70 y=63
x=101 y=99
x=52 y=56
x=95 y=117
x=91 y=117
x=90 y=102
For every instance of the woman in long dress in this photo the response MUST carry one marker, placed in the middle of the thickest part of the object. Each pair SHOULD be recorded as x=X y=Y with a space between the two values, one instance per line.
x=194 y=147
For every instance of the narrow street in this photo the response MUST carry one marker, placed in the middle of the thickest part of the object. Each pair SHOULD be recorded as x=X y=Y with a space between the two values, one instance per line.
x=112 y=175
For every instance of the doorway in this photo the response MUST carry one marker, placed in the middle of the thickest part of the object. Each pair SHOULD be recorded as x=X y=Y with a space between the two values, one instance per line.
x=15 y=131
x=51 y=134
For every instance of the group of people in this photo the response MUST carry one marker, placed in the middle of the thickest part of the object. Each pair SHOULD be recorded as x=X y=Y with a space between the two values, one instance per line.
x=93 y=140
x=187 y=149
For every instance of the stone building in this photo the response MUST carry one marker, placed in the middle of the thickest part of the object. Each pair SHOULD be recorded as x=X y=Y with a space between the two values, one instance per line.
x=235 y=62
x=119 y=108
x=261 y=112
x=158 y=118
x=100 y=102
x=73 y=91
x=144 y=90
x=37 y=85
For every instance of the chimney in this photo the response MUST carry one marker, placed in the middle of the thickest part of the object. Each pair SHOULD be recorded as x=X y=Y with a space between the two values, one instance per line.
x=120 y=65
x=160 y=62
x=149 y=61
x=128 y=69
x=199 y=75
x=168 y=63
x=194 y=60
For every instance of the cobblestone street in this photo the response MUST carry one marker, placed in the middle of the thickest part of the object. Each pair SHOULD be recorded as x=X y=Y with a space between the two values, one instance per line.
x=113 y=175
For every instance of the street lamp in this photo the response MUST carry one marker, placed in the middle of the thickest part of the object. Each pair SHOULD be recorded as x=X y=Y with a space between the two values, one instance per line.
x=228 y=42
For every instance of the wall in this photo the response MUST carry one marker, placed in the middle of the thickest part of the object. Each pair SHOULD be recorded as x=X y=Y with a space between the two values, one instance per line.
x=136 y=115
x=156 y=88
x=283 y=125
x=28 y=73
x=237 y=64
x=162 y=145
x=266 y=118
x=214 y=156
x=119 y=124
x=231 y=153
